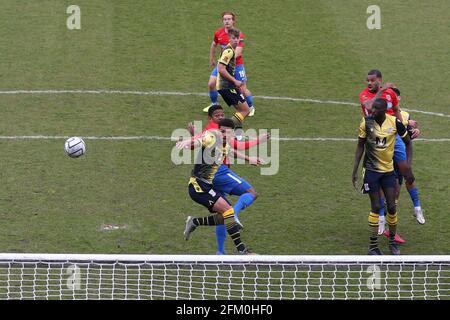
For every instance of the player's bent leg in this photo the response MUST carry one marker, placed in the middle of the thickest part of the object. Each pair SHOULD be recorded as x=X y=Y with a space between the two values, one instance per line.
x=221 y=232
x=249 y=98
x=406 y=171
x=221 y=236
x=204 y=194
x=414 y=195
x=227 y=212
x=212 y=91
x=241 y=75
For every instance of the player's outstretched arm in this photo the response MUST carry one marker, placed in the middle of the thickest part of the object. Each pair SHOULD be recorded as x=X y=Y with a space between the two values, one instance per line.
x=244 y=145
x=189 y=144
x=358 y=155
x=255 y=161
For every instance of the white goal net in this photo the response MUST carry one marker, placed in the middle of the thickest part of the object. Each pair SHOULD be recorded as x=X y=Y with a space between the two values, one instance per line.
x=74 y=276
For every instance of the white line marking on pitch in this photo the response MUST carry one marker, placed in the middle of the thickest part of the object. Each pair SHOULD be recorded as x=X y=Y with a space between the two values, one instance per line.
x=174 y=93
x=124 y=138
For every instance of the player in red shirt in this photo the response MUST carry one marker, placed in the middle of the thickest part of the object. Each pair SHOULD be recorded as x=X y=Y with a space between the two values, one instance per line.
x=374 y=91
x=221 y=39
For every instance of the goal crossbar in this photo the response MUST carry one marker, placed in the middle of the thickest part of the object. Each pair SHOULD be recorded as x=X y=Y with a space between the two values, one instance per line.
x=124 y=276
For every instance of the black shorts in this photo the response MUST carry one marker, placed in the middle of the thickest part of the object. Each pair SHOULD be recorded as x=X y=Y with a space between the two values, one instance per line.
x=203 y=193
x=373 y=181
x=232 y=97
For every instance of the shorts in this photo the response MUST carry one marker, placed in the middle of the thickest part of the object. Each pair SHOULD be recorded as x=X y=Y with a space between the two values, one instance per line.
x=232 y=97
x=399 y=149
x=203 y=193
x=373 y=181
x=227 y=182
x=239 y=73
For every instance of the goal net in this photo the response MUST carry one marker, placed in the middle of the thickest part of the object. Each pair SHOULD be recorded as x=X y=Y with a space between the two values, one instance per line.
x=74 y=276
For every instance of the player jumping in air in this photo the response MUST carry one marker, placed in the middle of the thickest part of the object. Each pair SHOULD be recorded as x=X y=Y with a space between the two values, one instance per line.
x=225 y=180
x=377 y=134
x=215 y=146
x=221 y=39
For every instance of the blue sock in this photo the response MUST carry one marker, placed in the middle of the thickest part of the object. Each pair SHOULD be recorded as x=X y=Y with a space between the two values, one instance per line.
x=221 y=236
x=249 y=100
x=213 y=95
x=382 y=206
x=414 y=194
x=244 y=201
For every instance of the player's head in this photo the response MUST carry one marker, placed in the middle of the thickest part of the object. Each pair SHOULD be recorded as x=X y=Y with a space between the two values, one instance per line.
x=234 y=34
x=374 y=80
x=226 y=127
x=379 y=108
x=215 y=113
x=397 y=92
x=228 y=19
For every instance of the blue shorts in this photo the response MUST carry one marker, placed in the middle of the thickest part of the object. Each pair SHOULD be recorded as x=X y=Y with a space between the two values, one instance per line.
x=373 y=181
x=239 y=73
x=399 y=149
x=227 y=182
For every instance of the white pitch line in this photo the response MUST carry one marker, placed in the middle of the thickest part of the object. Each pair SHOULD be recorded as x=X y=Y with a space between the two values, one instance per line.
x=125 y=138
x=175 y=93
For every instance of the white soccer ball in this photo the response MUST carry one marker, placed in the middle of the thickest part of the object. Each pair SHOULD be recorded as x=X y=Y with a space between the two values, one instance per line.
x=75 y=147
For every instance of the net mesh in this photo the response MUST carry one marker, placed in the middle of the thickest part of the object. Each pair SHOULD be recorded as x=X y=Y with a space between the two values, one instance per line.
x=223 y=280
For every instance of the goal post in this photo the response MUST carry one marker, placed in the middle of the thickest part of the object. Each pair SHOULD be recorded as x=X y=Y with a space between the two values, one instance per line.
x=99 y=276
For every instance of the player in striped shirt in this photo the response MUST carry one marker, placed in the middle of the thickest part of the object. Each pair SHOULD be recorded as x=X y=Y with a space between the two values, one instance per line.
x=388 y=93
x=376 y=140
x=225 y=181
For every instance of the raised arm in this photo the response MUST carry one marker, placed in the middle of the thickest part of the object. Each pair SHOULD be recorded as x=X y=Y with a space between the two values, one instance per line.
x=244 y=145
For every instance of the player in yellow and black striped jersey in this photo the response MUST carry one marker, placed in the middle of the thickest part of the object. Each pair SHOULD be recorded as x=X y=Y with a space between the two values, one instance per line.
x=377 y=138
x=227 y=85
x=215 y=147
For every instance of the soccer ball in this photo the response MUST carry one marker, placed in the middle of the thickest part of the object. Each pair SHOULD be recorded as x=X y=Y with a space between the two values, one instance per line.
x=75 y=147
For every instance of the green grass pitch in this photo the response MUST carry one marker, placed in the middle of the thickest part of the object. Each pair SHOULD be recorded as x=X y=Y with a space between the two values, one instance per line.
x=305 y=49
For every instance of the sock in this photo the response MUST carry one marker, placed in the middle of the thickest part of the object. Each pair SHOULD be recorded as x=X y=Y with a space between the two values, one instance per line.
x=249 y=100
x=210 y=220
x=233 y=229
x=238 y=119
x=221 y=235
x=382 y=205
x=213 y=95
x=373 y=227
x=244 y=201
x=392 y=220
x=414 y=194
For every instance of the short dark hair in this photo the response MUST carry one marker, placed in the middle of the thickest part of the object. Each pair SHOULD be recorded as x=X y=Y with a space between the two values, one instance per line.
x=380 y=103
x=397 y=91
x=375 y=72
x=226 y=122
x=235 y=32
x=214 y=108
